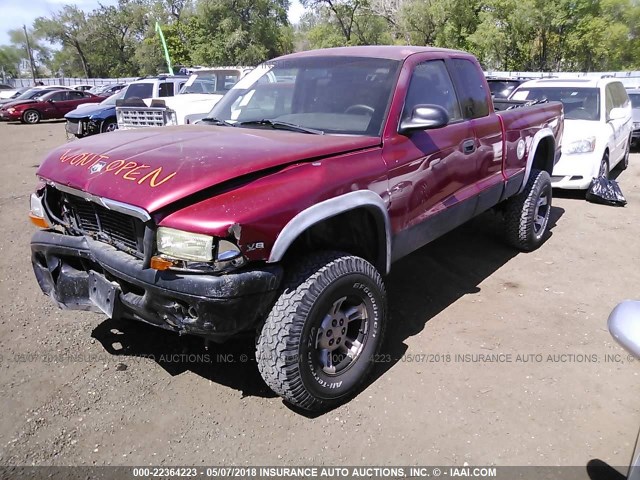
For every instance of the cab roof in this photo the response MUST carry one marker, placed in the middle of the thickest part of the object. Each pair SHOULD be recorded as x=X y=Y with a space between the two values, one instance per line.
x=390 y=52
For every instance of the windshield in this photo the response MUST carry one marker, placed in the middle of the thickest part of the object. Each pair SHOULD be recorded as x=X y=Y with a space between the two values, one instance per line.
x=216 y=82
x=340 y=95
x=579 y=103
x=31 y=93
x=112 y=99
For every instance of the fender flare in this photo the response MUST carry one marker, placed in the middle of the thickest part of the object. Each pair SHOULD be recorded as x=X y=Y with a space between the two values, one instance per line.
x=330 y=208
x=540 y=135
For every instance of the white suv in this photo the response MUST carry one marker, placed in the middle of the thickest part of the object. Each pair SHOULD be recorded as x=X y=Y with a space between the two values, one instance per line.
x=597 y=126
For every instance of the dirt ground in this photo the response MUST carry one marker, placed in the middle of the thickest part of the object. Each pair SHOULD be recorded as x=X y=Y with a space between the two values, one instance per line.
x=79 y=389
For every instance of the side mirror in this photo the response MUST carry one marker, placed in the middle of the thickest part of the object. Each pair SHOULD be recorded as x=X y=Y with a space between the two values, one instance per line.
x=624 y=326
x=617 y=113
x=50 y=100
x=424 y=117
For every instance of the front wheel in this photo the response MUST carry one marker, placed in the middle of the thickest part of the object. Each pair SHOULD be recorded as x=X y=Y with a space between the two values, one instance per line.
x=603 y=171
x=319 y=342
x=31 y=116
x=109 y=126
x=527 y=214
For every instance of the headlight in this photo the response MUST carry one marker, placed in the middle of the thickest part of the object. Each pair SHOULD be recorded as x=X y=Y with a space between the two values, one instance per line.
x=194 y=252
x=581 y=146
x=185 y=245
x=636 y=125
x=11 y=110
x=171 y=118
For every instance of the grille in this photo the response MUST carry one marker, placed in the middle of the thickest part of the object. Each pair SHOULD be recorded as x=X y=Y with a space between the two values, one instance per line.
x=118 y=229
x=131 y=117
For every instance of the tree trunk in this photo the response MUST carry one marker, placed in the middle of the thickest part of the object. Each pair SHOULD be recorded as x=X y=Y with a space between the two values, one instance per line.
x=85 y=64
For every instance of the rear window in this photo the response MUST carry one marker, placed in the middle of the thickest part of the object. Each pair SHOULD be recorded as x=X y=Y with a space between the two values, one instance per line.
x=139 y=90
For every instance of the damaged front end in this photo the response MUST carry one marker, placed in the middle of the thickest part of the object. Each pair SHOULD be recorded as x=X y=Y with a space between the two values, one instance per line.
x=97 y=254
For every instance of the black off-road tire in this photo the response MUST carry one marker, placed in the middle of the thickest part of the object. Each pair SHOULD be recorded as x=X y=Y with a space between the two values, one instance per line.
x=527 y=214
x=290 y=345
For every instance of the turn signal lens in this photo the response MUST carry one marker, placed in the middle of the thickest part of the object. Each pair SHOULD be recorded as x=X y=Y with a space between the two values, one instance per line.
x=38 y=221
x=159 y=263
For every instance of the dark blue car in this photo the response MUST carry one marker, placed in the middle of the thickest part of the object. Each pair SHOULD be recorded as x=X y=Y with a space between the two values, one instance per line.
x=89 y=120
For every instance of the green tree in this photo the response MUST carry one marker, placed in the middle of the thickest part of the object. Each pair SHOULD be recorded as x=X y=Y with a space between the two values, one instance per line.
x=67 y=27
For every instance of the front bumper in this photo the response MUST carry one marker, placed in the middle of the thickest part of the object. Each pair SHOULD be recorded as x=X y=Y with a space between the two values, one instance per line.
x=10 y=117
x=575 y=171
x=79 y=273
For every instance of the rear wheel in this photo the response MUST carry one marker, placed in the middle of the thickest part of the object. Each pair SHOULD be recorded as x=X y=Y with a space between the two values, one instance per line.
x=31 y=116
x=624 y=163
x=319 y=342
x=527 y=214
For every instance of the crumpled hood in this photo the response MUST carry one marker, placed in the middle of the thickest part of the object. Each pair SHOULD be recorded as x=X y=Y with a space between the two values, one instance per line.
x=90 y=111
x=154 y=167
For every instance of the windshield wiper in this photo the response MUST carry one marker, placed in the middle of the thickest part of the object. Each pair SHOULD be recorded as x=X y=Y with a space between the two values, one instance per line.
x=284 y=125
x=217 y=121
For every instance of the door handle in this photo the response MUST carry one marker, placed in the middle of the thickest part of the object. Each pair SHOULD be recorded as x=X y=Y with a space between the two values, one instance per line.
x=469 y=146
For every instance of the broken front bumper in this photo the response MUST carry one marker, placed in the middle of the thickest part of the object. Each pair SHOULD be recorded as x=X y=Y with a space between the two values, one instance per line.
x=83 y=274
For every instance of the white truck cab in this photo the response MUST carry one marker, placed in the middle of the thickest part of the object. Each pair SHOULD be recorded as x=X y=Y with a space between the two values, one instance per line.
x=198 y=94
x=143 y=91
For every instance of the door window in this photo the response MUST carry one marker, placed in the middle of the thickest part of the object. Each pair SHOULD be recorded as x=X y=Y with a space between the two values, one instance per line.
x=471 y=90
x=166 y=89
x=431 y=84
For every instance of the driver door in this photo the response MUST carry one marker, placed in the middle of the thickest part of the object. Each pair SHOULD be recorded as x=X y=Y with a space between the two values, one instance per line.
x=427 y=167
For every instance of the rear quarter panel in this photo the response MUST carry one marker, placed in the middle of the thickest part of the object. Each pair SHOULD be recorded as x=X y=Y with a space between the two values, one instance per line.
x=523 y=123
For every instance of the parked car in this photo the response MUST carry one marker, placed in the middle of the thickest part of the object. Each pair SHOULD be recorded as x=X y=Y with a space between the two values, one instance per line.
x=51 y=105
x=91 y=119
x=502 y=87
x=28 y=93
x=634 y=96
x=598 y=126
x=283 y=218
x=12 y=93
x=204 y=88
x=624 y=326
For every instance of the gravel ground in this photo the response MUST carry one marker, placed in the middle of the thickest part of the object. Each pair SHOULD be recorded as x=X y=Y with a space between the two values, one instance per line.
x=79 y=389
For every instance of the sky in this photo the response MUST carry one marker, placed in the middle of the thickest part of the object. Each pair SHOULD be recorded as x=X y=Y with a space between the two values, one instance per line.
x=15 y=13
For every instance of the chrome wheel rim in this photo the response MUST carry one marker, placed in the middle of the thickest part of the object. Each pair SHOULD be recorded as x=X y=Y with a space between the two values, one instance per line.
x=32 y=117
x=542 y=215
x=111 y=127
x=342 y=335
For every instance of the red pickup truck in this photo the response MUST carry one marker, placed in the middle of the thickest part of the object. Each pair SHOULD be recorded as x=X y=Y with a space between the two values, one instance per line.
x=284 y=208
